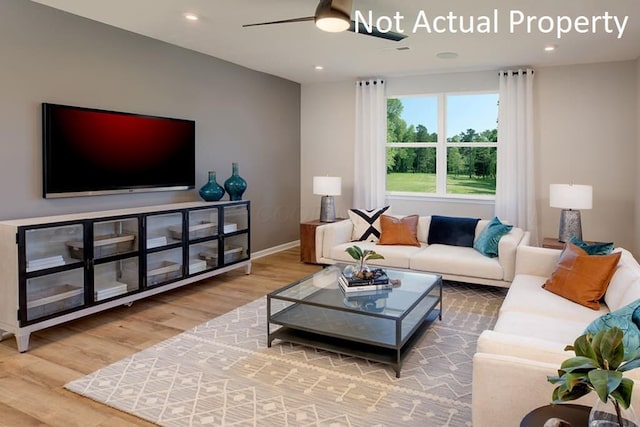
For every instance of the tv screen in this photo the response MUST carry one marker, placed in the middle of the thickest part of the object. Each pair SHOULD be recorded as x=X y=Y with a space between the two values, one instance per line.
x=90 y=152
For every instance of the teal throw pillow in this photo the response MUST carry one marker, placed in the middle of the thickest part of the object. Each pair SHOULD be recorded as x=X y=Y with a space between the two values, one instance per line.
x=593 y=249
x=487 y=241
x=627 y=319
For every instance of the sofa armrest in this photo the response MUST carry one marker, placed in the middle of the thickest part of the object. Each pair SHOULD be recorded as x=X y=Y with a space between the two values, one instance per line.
x=536 y=261
x=494 y=342
x=507 y=252
x=330 y=235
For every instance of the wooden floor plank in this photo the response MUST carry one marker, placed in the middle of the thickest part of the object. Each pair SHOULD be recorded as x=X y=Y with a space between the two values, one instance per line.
x=31 y=384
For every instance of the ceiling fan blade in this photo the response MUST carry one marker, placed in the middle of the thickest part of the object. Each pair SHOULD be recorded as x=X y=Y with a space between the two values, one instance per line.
x=284 y=21
x=362 y=29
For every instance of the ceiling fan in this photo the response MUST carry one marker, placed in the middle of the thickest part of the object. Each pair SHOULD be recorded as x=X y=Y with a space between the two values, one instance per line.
x=335 y=16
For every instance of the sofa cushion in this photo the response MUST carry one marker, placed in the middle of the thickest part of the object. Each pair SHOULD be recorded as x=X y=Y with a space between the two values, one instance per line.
x=593 y=248
x=539 y=326
x=454 y=231
x=487 y=241
x=366 y=224
x=394 y=256
x=399 y=231
x=526 y=295
x=456 y=260
x=624 y=286
x=580 y=277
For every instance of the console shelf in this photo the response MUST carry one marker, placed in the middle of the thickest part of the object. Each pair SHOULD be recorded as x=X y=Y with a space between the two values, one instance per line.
x=60 y=268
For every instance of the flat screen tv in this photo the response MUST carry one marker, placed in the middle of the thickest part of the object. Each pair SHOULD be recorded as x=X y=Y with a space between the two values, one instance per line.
x=91 y=152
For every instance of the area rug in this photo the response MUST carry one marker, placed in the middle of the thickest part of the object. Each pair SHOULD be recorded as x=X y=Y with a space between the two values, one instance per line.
x=221 y=373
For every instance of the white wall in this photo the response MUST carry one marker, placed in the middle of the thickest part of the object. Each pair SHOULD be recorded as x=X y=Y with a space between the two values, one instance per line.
x=327 y=143
x=328 y=135
x=585 y=131
x=586 y=134
x=637 y=233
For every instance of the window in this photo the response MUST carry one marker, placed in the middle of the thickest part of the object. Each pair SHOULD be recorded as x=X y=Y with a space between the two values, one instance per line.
x=442 y=144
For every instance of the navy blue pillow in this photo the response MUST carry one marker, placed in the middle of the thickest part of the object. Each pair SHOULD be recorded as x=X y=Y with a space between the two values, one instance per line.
x=454 y=231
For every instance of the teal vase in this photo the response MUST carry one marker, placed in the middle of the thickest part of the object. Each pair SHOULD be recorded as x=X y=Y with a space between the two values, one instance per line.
x=212 y=191
x=235 y=184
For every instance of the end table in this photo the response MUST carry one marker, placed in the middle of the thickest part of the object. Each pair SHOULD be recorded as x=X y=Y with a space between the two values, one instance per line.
x=576 y=415
x=308 y=240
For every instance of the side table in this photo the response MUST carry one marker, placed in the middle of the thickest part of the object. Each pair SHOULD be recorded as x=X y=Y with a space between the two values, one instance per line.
x=554 y=243
x=308 y=240
x=576 y=415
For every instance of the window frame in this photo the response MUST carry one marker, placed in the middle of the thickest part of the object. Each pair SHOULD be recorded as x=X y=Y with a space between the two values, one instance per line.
x=441 y=147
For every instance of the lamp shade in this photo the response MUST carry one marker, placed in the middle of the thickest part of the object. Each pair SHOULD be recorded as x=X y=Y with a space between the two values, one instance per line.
x=570 y=196
x=327 y=185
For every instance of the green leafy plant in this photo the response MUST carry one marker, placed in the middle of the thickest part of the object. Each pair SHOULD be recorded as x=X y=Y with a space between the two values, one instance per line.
x=362 y=256
x=597 y=366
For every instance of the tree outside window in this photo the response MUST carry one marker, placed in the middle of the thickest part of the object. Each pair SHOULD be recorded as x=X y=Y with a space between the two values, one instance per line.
x=442 y=144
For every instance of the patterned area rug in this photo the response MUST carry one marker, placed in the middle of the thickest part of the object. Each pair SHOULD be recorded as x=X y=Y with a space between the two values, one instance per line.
x=222 y=374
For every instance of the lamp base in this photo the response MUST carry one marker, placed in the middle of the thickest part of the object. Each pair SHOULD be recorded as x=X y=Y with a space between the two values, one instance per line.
x=570 y=225
x=327 y=209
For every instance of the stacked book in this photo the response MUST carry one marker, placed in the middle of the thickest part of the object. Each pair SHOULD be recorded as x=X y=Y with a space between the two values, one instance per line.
x=41 y=263
x=379 y=281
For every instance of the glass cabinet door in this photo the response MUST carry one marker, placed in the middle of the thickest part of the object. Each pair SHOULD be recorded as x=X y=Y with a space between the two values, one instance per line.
x=236 y=248
x=203 y=223
x=54 y=293
x=164 y=230
x=115 y=278
x=52 y=246
x=236 y=218
x=203 y=256
x=164 y=266
x=115 y=237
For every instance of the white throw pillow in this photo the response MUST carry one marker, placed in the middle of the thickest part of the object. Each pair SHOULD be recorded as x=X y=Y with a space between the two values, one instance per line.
x=366 y=224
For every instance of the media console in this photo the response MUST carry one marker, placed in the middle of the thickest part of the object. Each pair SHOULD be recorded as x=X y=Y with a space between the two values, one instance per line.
x=59 y=268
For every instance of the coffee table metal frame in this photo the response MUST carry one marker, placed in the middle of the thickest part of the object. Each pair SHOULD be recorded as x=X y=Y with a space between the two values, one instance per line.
x=380 y=326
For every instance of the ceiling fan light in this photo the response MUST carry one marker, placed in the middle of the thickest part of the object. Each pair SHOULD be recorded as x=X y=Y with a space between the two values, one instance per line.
x=333 y=24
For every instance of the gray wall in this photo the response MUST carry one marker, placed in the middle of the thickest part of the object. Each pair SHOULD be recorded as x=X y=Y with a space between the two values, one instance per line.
x=241 y=115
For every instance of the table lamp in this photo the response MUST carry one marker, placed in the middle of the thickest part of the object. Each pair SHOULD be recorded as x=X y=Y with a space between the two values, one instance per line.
x=570 y=198
x=327 y=187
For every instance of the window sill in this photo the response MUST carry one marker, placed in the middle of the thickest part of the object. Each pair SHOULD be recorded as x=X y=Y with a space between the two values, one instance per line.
x=449 y=198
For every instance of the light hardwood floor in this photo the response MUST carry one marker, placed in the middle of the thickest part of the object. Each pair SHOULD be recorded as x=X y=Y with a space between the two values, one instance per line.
x=31 y=383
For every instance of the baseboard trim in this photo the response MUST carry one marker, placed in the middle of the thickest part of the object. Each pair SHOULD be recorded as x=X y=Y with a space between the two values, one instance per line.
x=275 y=249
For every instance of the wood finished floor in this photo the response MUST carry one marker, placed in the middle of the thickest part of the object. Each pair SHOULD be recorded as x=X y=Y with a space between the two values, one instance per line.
x=31 y=383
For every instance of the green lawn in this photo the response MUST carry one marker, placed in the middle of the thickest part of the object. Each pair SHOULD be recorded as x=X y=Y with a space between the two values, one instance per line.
x=426 y=183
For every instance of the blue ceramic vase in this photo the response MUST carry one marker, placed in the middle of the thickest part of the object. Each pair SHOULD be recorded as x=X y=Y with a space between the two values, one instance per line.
x=212 y=191
x=235 y=184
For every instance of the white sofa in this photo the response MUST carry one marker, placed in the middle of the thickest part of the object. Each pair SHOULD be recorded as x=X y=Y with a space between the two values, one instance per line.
x=513 y=360
x=456 y=263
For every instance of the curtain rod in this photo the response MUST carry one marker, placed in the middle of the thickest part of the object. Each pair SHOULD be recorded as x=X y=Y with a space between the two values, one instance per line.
x=515 y=73
x=375 y=82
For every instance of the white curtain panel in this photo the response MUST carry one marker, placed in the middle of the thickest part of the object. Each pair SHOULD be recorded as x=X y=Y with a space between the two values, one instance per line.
x=515 y=181
x=369 y=163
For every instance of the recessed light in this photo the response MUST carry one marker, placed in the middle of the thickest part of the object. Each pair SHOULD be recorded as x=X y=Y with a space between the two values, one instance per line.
x=447 y=55
x=319 y=67
x=550 y=48
x=191 y=16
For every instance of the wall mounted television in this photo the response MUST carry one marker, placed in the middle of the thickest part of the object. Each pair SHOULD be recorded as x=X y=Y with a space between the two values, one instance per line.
x=89 y=152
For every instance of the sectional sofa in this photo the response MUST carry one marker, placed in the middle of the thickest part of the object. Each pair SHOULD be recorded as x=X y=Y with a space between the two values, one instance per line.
x=457 y=263
x=513 y=360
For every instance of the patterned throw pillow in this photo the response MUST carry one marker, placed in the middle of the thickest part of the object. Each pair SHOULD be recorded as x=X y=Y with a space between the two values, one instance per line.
x=366 y=224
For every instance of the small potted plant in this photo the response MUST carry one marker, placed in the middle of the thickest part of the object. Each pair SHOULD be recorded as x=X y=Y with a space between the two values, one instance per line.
x=598 y=366
x=362 y=256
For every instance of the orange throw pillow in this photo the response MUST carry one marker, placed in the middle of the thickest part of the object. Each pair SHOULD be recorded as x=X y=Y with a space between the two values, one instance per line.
x=582 y=278
x=399 y=231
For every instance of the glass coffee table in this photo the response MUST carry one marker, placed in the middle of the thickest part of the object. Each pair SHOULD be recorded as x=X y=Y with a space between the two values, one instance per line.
x=379 y=326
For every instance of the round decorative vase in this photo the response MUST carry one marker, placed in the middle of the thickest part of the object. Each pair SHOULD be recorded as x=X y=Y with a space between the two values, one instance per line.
x=605 y=415
x=212 y=191
x=235 y=184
